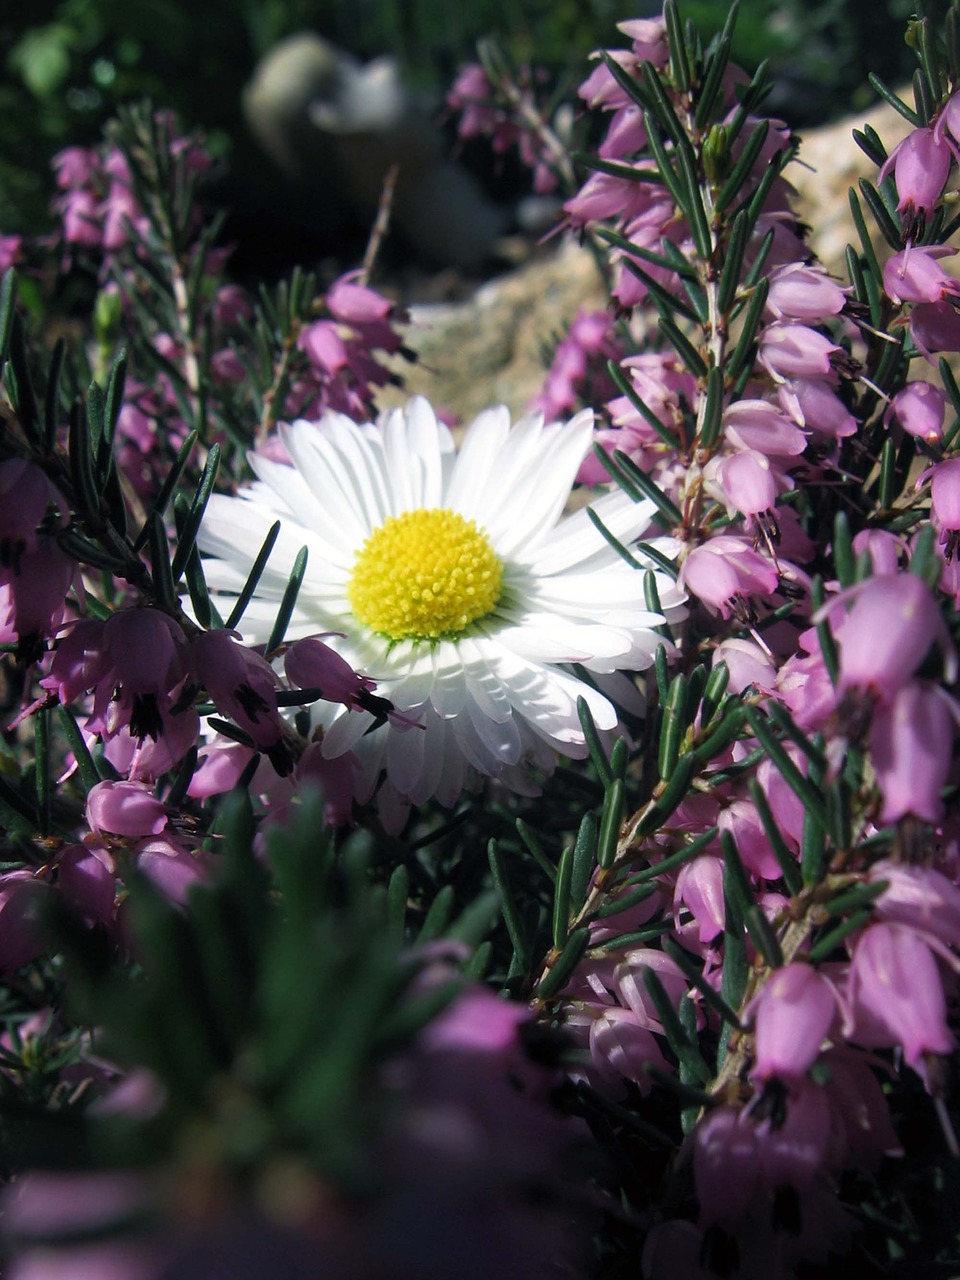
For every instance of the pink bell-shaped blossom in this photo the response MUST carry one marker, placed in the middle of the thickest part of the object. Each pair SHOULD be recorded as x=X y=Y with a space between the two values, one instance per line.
x=725 y=1167
x=918 y=896
x=912 y=275
x=918 y=408
x=801 y=292
x=763 y=427
x=885 y=549
x=242 y=684
x=935 y=326
x=124 y=809
x=87 y=883
x=796 y=1151
x=748 y=664
x=895 y=980
x=741 y=819
x=894 y=622
x=22 y=908
x=795 y=350
x=945 y=494
x=623 y=1049
x=792 y=1014
x=911 y=744
x=632 y=989
x=815 y=405
x=699 y=888
x=748 y=481
x=920 y=163
x=725 y=571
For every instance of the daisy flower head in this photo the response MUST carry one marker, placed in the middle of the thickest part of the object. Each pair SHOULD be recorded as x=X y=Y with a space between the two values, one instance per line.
x=454 y=584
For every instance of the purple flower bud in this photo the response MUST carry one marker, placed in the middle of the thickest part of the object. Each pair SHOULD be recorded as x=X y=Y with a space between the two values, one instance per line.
x=124 y=809
x=894 y=978
x=889 y=631
x=935 y=326
x=921 y=163
x=791 y=350
x=912 y=275
x=725 y=571
x=885 y=549
x=801 y=292
x=911 y=742
x=699 y=888
x=945 y=494
x=795 y=1152
x=22 y=937
x=242 y=684
x=920 y=897
x=724 y=1165
x=622 y=1048
x=919 y=409
x=816 y=406
x=87 y=884
x=792 y=1014
x=748 y=481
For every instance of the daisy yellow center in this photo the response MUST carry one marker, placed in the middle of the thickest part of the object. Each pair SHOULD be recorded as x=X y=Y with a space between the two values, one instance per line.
x=425 y=575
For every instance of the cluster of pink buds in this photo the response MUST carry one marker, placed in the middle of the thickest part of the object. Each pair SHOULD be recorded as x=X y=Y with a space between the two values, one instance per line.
x=98 y=208
x=35 y=573
x=483 y=112
x=342 y=370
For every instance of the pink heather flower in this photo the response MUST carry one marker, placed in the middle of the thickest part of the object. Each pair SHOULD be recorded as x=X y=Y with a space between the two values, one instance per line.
x=885 y=549
x=912 y=275
x=804 y=293
x=921 y=163
x=324 y=347
x=80 y=212
x=632 y=990
x=725 y=1166
x=170 y=867
x=144 y=653
x=124 y=809
x=622 y=1049
x=11 y=248
x=945 y=494
x=221 y=765
x=813 y=404
x=935 y=326
x=741 y=819
x=792 y=1014
x=762 y=427
x=725 y=571
x=649 y=39
x=75 y=167
x=895 y=980
x=242 y=684
x=918 y=408
x=748 y=664
x=748 y=481
x=311 y=664
x=22 y=909
x=27 y=500
x=699 y=888
x=87 y=883
x=796 y=1150
x=889 y=631
x=911 y=744
x=918 y=896
x=795 y=350
x=32 y=595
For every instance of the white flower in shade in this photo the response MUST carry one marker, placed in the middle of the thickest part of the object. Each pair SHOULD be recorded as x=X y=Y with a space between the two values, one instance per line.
x=455 y=586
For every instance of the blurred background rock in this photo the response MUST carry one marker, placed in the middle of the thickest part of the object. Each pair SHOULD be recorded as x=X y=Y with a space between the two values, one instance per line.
x=68 y=63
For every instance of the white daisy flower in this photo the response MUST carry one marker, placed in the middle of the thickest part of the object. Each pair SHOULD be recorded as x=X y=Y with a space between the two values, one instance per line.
x=456 y=588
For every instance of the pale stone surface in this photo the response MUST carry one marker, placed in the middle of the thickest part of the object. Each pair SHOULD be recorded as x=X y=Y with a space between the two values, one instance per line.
x=490 y=348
